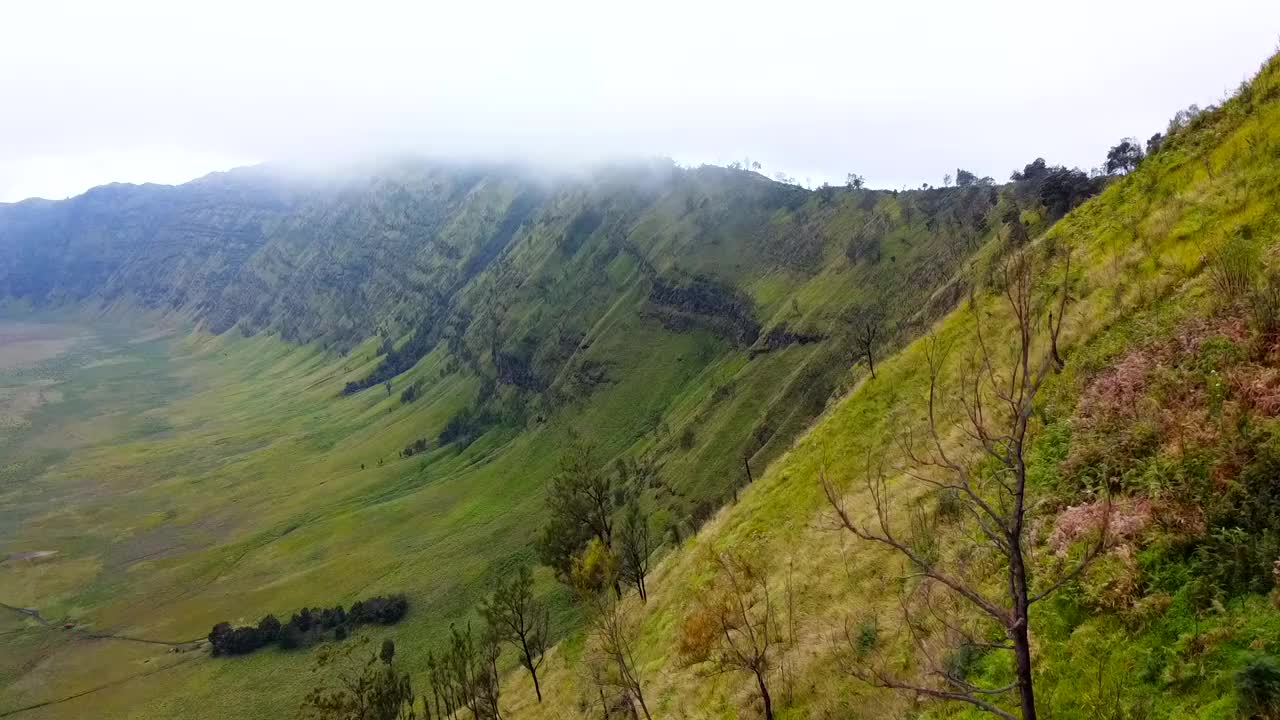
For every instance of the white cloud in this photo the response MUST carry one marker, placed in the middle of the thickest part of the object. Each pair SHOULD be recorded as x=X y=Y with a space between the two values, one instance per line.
x=900 y=92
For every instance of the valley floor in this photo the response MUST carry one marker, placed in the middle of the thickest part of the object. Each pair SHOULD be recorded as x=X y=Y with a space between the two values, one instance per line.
x=155 y=482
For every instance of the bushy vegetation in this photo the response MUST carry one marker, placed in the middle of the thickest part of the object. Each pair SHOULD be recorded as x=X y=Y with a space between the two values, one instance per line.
x=307 y=626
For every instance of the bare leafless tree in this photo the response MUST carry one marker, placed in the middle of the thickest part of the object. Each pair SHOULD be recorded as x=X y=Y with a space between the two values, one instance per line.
x=734 y=628
x=613 y=644
x=634 y=547
x=866 y=331
x=984 y=476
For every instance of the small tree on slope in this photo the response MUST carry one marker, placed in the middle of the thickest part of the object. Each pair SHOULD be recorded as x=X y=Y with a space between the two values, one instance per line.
x=996 y=396
x=521 y=620
x=734 y=627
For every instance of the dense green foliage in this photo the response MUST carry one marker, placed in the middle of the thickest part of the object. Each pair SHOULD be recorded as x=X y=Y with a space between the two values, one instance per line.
x=306 y=626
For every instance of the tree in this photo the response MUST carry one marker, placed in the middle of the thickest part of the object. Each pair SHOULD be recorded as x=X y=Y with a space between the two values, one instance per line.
x=1033 y=171
x=634 y=549
x=1061 y=189
x=854 y=181
x=988 y=480
x=964 y=178
x=866 y=327
x=359 y=690
x=467 y=676
x=594 y=570
x=1123 y=157
x=488 y=680
x=755 y=165
x=825 y=193
x=581 y=503
x=1154 y=142
x=734 y=627
x=612 y=644
x=520 y=619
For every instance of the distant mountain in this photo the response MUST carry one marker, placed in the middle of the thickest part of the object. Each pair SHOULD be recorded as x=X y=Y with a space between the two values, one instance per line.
x=534 y=283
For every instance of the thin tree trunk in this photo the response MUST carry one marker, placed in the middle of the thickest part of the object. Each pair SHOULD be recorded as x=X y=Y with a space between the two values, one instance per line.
x=871 y=364
x=1019 y=633
x=528 y=660
x=645 y=708
x=764 y=695
x=1058 y=362
x=1022 y=653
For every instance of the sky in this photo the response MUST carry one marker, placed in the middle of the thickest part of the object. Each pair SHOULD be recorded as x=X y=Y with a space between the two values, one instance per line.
x=898 y=92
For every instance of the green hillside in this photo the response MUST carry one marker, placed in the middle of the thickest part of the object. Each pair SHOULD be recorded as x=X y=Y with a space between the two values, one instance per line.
x=260 y=392
x=1167 y=398
x=252 y=394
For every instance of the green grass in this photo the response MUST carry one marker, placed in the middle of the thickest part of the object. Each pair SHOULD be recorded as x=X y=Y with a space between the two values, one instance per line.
x=187 y=479
x=208 y=479
x=1139 y=252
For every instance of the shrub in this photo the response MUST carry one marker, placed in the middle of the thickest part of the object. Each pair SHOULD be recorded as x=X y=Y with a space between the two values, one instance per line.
x=959 y=663
x=1234 y=266
x=1264 y=309
x=1258 y=688
x=866 y=636
x=415 y=447
x=949 y=504
x=688 y=438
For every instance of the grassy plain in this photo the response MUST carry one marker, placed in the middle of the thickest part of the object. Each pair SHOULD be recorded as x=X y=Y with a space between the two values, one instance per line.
x=184 y=479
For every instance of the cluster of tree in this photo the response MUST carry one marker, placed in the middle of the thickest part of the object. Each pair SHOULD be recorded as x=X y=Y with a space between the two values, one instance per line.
x=964 y=178
x=597 y=540
x=1059 y=189
x=463 y=678
x=306 y=625
x=411 y=393
x=466 y=425
x=597 y=512
x=707 y=302
x=1125 y=156
x=465 y=675
x=417 y=446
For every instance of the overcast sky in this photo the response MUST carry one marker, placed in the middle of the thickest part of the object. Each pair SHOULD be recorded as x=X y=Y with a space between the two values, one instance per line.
x=901 y=92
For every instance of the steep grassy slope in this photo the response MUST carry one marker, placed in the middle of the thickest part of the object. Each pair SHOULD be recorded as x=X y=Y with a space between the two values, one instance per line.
x=531 y=284
x=197 y=476
x=1168 y=394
